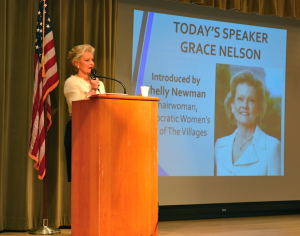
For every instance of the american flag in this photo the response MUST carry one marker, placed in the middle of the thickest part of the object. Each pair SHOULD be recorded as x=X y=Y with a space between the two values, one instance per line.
x=42 y=87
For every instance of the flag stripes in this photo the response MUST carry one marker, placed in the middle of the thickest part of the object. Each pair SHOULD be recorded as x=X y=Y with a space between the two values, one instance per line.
x=42 y=87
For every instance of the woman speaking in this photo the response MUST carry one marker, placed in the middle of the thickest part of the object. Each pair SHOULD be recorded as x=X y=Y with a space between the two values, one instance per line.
x=78 y=87
x=248 y=151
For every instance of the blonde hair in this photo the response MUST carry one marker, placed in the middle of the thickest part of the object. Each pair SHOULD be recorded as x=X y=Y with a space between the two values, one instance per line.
x=76 y=53
x=247 y=77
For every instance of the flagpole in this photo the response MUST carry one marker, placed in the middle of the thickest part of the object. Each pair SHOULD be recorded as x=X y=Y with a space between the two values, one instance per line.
x=45 y=121
x=44 y=230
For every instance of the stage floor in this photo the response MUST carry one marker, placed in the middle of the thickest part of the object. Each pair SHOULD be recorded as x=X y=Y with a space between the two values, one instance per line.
x=288 y=225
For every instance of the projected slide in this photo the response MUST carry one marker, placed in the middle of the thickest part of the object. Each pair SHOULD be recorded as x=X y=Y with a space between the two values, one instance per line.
x=222 y=89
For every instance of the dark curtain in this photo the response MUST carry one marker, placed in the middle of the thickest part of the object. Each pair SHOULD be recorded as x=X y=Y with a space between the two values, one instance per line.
x=73 y=22
x=282 y=8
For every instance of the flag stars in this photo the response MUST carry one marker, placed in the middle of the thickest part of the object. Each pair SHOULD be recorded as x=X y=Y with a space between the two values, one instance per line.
x=41 y=23
x=37 y=47
x=37 y=30
x=49 y=19
x=48 y=26
x=39 y=12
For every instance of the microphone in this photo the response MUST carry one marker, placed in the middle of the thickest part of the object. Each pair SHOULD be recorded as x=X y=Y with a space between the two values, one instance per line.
x=94 y=76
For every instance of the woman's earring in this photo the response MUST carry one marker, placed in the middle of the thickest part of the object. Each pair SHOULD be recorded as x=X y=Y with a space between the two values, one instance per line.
x=78 y=67
x=232 y=110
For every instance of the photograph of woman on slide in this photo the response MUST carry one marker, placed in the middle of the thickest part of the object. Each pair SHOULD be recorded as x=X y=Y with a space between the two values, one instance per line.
x=248 y=150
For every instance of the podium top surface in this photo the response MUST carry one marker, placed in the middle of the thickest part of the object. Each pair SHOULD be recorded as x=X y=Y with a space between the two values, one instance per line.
x=123 y=97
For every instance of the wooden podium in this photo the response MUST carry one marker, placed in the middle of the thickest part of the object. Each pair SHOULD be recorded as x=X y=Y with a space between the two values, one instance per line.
x=114 y=166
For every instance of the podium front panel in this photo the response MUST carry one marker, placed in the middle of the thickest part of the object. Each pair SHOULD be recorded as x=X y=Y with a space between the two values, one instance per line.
x=114 y=167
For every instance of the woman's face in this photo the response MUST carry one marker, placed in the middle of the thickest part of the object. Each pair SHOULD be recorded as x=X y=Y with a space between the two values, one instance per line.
x=86 y=63
x=244 y=105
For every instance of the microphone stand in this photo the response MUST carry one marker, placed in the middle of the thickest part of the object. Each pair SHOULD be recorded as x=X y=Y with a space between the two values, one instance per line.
x=99 y=76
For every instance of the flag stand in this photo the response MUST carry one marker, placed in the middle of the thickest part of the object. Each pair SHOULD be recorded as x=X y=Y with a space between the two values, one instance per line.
x=45 y=230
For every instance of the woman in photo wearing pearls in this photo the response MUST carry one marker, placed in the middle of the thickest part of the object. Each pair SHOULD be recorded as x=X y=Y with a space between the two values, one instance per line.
x=79 y=86
x=248 y=151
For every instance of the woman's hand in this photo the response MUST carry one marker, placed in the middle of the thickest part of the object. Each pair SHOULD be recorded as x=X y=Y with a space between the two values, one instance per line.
x=94 y=84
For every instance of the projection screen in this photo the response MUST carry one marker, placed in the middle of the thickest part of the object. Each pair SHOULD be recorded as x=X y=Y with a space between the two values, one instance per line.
x=191 y=57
